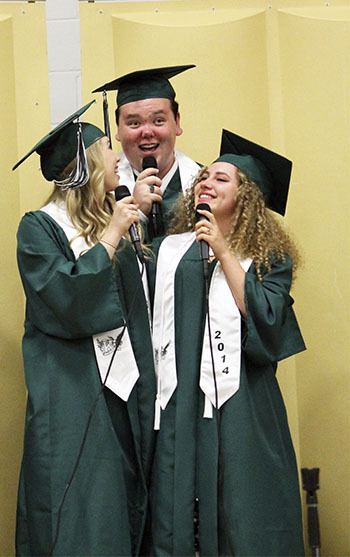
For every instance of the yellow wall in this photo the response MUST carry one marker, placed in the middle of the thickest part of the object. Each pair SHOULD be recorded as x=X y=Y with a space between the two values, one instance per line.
x=315 y=61
x=277 y=72
x=11 y=387
x=23 y=119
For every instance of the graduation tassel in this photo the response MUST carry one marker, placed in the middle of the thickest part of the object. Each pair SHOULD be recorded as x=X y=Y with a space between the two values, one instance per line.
x=80 y=173
x=106 y=118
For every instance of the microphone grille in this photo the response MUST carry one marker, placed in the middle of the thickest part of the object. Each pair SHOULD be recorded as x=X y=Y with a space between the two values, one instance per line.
x=120 y=192
x=202 y=207
x=149 y=162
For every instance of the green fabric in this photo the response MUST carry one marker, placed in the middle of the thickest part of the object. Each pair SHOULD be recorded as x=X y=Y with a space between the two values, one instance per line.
x=249 y=502
x=55 y=155
x=171 y=193
x=144 y=84
x=67 y=302
x=268 y=169
x=170 y=196
x=156 y=88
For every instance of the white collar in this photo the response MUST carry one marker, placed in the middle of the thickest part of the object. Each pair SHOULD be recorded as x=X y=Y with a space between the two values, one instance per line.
x=187 y=167
x=57 y=210
x=168 y=176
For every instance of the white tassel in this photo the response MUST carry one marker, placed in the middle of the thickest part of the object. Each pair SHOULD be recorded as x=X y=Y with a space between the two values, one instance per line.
x=80 y=173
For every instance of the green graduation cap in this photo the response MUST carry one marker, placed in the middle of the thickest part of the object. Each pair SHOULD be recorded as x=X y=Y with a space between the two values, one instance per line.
x=269 y=170
x=144 y=84
x=152 y=83
x=63 y=144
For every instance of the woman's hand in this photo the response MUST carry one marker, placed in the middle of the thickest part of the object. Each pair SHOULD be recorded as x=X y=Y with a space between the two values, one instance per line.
x=209 y=231
x=147 y=189
x=125 y=213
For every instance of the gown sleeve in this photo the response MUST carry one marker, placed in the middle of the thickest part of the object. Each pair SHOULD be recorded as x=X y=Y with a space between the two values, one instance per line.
x=66 y=298
x=271 y=332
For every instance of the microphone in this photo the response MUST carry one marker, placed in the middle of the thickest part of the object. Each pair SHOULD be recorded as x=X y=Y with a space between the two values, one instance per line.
x=120 y=192
x=204 y=246
x=156 y=227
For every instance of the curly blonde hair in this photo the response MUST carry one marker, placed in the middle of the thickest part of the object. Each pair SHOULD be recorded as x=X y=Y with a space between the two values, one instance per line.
x=89 y=207
x=255 y=231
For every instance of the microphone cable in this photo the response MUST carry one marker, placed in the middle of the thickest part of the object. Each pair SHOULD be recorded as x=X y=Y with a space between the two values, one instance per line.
x=207 y=315
x=204 y=255
x=88 y=423
x=215 y=410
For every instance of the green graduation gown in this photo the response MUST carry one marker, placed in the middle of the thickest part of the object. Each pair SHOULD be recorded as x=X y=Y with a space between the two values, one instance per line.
x=166 y=210
x=246 y=477
x=67 y=301
x=171 y=193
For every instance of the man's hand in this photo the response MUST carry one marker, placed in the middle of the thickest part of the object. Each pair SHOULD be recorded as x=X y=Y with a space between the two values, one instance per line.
x=147 y=190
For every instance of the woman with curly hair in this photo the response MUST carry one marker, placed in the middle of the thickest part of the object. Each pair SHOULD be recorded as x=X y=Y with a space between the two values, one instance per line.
x=87 y=355
x=224 y=458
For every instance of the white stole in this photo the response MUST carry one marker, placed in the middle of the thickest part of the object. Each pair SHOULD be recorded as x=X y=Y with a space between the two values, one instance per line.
x=170 y=253
x=187 y=167
x=124 y=371
x=225 y=320
x=225 y=327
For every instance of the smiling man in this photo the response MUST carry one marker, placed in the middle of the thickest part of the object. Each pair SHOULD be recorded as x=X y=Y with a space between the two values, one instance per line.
x=148 y=122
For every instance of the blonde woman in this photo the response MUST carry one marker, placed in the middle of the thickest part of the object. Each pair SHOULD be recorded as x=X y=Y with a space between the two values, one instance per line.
x=224 y=458
x=88 y=428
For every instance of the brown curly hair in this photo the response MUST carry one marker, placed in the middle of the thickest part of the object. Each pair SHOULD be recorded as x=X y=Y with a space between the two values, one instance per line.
x=255 y=231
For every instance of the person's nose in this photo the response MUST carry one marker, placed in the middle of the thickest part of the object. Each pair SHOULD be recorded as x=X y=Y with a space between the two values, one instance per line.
x=147 y=130
x=205 y=184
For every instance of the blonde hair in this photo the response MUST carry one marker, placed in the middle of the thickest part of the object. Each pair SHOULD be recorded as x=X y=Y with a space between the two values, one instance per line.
x=89 y=207
x=255 y=231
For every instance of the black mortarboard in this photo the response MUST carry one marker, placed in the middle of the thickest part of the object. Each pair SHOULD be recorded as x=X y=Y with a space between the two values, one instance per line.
x=61 y=145
x=142 y=84
x=269 y=170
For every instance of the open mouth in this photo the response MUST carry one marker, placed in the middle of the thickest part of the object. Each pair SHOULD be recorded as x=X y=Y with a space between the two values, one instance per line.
x=148 y=147
x=205 y=197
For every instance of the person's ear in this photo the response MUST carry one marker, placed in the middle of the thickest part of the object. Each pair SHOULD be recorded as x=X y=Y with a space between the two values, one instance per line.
x=178 y=127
